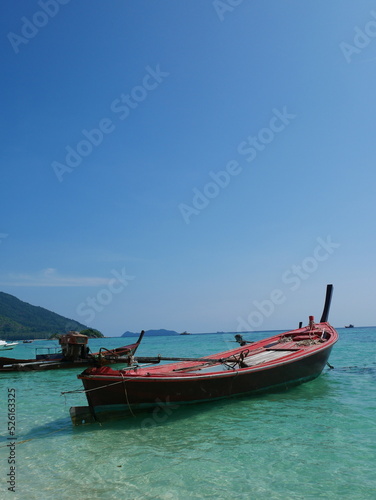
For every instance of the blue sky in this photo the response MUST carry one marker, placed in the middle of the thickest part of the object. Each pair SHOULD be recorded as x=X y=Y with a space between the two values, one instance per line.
x=194 y=165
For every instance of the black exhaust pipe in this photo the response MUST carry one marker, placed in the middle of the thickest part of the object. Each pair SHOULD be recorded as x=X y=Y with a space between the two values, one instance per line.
x=328 y=299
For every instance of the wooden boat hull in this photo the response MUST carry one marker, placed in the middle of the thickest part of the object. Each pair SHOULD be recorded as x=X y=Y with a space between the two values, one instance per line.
x=142 y=394
x=286 y=364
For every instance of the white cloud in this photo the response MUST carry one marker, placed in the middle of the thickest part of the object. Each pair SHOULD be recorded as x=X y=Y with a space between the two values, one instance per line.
x=51 y=277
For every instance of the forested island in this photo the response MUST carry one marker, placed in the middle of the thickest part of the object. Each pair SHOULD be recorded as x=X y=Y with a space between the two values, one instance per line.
x=22 y=321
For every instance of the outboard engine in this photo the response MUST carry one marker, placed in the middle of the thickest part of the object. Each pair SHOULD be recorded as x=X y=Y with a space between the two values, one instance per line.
x=74 y=346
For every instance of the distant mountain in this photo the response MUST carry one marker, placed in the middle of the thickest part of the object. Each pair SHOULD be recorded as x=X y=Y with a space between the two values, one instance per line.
x=155 y=333
x=20 y=320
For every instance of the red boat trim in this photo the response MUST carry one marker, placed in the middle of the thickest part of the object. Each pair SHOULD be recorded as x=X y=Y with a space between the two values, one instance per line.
x=203 y=376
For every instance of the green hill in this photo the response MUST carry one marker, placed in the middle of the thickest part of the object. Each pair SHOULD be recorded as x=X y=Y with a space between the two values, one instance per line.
x=20 y=320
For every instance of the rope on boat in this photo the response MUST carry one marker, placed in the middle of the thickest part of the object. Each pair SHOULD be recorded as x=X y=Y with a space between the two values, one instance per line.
x=330 y=366
x=77 y=391
x=126 y=395
x=236 y=359
x=122 y=381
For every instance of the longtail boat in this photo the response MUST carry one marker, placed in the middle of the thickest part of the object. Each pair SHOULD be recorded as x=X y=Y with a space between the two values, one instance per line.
x=277 y=362
x=74 y=354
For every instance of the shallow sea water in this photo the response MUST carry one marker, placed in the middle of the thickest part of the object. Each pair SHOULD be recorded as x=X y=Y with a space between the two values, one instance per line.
x=317 y=440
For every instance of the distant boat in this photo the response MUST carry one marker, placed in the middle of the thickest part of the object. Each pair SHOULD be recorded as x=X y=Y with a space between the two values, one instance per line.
x=74 y=354
x=4 y=346
x=349 y=326
x=281 y=361
x=185 y=333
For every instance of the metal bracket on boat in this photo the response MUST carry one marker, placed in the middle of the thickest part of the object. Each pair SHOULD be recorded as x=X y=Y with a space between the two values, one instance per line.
x=236 y=360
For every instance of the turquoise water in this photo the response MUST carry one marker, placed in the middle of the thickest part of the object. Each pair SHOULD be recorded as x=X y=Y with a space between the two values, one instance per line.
x=314 y=441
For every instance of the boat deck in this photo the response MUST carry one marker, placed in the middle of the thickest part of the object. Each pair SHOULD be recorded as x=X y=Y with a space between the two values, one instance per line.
x=245 y=357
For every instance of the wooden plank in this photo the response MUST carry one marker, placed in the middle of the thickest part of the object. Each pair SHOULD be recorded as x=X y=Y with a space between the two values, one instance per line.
x=263 y=357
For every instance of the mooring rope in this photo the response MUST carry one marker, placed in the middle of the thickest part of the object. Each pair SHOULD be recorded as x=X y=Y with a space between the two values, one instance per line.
x=39 y=437
x=126 y=395
x=77 y=391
